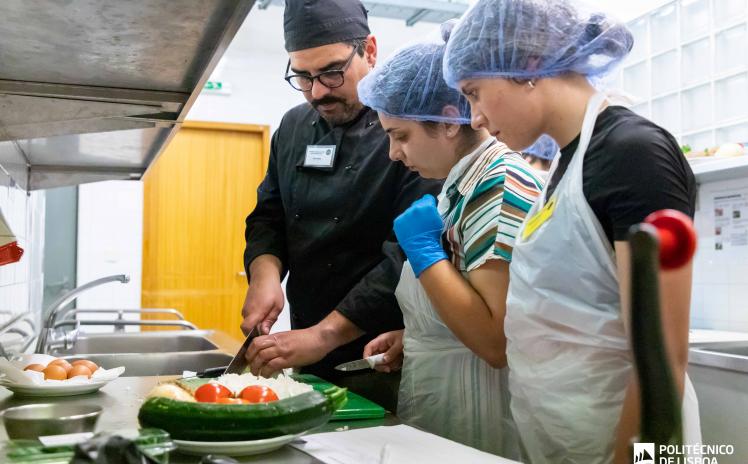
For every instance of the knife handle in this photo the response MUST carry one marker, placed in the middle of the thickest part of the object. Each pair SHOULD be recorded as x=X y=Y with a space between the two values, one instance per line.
x=375 y=359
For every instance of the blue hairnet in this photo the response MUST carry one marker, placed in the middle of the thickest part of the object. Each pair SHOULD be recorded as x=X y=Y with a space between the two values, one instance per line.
x=409 y=85
x=529 y=39
x=545 y=147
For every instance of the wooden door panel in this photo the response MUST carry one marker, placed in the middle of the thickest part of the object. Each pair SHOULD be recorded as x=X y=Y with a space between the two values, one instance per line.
x=197 y=195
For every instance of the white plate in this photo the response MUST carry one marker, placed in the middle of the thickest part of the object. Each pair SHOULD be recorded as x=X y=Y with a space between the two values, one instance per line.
x=37 y=391
x=234 y=448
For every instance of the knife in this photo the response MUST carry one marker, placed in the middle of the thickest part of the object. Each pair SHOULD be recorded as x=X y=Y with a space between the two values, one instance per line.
x=212 y=372
x=359 y=364
x=239 y=363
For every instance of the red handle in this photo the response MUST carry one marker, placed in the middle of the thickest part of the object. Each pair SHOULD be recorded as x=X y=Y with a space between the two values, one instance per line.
x=10 y=253
x=677 y=237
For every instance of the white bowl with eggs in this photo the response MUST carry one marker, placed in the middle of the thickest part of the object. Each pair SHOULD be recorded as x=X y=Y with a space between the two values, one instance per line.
x=37 y=375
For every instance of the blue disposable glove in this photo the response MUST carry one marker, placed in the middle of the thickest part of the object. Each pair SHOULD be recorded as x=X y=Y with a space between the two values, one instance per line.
x=419 y=231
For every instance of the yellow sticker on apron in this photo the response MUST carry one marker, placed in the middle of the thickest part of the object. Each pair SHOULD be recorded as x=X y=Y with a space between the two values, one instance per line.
x=540 y=218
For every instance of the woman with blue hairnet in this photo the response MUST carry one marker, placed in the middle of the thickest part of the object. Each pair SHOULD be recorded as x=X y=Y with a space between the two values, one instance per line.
x=529 y=67
x=452 y=296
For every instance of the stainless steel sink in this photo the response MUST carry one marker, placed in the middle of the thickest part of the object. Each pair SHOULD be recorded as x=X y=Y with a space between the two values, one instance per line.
x=142 y=342
x=165 y=352
x=144 y=364
x=724 y=355
x=737 y=350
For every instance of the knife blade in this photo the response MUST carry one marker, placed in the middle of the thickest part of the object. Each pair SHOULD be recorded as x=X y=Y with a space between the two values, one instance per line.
x=239 y=363
x=359 y=364
x=212 y=372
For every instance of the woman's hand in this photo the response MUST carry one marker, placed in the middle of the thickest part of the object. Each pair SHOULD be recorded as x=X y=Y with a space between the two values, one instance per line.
x=391 y=344
x=418 y=230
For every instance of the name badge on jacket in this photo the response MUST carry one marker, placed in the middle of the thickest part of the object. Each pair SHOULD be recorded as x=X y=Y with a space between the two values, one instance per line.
x=320 y=156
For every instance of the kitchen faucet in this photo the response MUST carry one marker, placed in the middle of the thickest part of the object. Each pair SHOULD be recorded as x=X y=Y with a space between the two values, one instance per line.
x=57 y=306
x=11 y=326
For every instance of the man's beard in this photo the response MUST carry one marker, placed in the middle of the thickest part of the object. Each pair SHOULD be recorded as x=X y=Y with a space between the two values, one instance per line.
x=345 y=112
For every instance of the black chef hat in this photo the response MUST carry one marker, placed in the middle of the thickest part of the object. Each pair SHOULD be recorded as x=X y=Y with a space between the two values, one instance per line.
x=313 y=23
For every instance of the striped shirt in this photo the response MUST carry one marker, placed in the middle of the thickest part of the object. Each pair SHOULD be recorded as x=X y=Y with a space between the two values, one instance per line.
x=487 y=205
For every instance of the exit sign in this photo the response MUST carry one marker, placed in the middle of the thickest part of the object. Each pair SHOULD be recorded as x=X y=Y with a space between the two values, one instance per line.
x=217 y=87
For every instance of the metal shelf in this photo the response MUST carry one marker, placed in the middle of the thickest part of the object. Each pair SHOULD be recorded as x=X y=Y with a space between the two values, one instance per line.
x=716 y=169
x=96 y=89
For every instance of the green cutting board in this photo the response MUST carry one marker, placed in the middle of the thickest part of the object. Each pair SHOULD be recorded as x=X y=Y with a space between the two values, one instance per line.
x=357 y=407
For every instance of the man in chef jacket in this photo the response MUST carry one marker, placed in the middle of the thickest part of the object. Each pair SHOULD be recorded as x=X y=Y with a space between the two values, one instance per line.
x=325 y=210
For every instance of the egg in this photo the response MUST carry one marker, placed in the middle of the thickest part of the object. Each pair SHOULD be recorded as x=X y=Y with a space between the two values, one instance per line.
x=79 y=370
x=62 y=363
x=34 y=367
x=85 y=362
x=55 y=372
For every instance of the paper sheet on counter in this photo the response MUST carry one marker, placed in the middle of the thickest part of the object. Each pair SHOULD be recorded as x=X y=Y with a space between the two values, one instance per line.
x=398 y=444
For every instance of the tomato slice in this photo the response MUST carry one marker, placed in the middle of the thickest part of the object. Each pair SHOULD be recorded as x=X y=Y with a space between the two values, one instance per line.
x=211 y=393
x=232 y=401
x=258 y=394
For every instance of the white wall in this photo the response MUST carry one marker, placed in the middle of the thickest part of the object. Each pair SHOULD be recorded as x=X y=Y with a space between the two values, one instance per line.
x=629 y=9
x=688 y=71
x=720 y=291
x=255 y=61
x=21 y=283
x=110 y=241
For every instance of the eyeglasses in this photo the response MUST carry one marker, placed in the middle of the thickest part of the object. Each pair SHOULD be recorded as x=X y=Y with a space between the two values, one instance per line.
x=331 y=79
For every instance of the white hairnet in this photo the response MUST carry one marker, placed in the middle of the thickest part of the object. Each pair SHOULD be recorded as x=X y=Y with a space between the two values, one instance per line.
x=409 y=84
x=529 y=39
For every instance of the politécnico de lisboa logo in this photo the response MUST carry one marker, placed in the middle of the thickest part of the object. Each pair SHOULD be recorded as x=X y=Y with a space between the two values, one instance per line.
x=644 y=453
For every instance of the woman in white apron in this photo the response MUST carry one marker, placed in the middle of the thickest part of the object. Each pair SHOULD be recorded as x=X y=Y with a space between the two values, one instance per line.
x=454 y=381
x=526 y=67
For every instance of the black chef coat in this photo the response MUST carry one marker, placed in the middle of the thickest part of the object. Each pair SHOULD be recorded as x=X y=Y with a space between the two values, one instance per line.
x=332 y=228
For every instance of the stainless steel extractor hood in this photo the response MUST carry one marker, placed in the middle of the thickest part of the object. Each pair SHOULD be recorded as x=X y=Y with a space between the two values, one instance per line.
x=95 y=89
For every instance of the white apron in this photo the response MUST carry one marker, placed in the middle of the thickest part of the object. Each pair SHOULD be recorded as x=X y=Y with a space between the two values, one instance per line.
x=568 y=353
x=445 y=388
